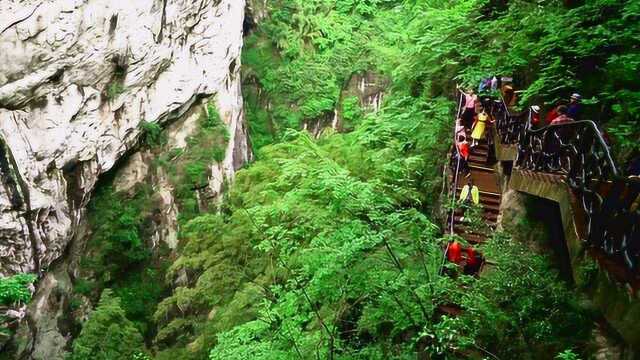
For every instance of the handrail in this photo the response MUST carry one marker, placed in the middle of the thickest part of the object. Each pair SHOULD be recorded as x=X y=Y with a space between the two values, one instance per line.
x=594 y=128
x=578 y=150
x=454 y=185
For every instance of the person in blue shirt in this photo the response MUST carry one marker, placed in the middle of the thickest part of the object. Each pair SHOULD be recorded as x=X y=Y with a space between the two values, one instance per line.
x=575 y=107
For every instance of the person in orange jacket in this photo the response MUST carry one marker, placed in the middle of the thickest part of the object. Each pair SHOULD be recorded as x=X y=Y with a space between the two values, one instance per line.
x=474 y=261
x=454 y=253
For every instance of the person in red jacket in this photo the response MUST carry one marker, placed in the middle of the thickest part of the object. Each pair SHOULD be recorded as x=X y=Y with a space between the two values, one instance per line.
x=562 y=117
x=464 y=151
x=454 y=253
x=474 y=261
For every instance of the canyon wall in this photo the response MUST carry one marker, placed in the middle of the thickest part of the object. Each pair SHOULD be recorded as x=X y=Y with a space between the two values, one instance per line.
x=77 y=80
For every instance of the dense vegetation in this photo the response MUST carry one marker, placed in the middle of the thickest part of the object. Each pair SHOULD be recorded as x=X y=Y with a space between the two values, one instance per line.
x=121 y=254
x=329 y=247
x=15 y=291
x=108 y=334
x=304 y=53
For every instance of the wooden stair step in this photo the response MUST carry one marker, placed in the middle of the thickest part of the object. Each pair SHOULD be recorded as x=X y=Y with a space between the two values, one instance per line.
x=477 y=158
x=474 y=239
x=491 y=221
x=485 y=198
x=481 y=167
x=488 y=212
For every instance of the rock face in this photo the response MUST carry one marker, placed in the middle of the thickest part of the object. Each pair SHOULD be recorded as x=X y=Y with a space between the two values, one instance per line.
x=77 y=78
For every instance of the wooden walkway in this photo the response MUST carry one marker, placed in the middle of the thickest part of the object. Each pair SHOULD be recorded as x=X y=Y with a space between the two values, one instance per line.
x=485 y=178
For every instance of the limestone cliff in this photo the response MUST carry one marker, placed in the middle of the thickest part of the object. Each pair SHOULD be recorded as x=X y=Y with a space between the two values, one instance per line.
x=77 y=78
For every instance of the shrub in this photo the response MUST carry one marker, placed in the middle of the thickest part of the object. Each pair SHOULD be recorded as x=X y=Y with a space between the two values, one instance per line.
x=15 y=289
x=107 y=334
x=114 y=90
x=118 y=223
x=151 y=134
x=351 y=113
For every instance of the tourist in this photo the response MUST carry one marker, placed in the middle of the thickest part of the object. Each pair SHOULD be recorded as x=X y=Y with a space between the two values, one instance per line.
x=470 y=100
x=470 y=193
x=473 y=260
x=535 y=116
x=460 y=129
x=479 y=127
x=454 y=252
x=553 y=113
x=494 y=83
x=575 y=107
x=463 y=152
x=562 y=117
x=508 y=93
x=485 y=85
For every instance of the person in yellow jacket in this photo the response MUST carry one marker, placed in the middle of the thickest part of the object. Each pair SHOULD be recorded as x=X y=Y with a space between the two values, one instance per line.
x=470 y=192
x=479 y=127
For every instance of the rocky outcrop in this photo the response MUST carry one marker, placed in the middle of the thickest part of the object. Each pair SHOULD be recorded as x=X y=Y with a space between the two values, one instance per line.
x=77 y=78
x=368 y=87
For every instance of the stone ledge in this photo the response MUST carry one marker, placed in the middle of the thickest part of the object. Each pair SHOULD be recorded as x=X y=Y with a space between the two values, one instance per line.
x=619 y=306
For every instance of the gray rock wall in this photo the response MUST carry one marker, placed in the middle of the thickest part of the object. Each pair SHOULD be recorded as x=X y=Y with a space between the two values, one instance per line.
x=77 y=77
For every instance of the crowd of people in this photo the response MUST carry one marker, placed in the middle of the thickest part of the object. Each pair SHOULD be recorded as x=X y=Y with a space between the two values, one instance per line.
x=471 y=128
x=474 y=118
x=563 y=112
x=467 y=258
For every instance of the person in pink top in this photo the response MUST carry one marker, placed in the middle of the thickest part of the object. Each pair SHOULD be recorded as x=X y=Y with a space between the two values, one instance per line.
x=469 y=114
x=562 y=117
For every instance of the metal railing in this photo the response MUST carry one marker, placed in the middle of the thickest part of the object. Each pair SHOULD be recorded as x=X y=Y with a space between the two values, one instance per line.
x=578 y=151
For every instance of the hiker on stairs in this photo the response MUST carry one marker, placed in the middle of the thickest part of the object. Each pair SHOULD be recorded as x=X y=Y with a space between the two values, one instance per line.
x=473 y=261
x=463 y=153
x=469 y=113
x=470 y=193
x=454 y=252
x=469 y=196
x=479 y=127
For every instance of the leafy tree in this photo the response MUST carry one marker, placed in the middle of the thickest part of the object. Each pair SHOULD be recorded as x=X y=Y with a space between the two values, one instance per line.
x=107 y=334
x=15 y=289
x=151 y=134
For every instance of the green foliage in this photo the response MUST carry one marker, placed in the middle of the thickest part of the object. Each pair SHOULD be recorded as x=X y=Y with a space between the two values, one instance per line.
x=84 y=287
x=108 y=334
x=15 y=289
x=586 y=273
x=322 y=246
x=118 y=231
x=523 y=307
x=151 y=134
x=567 y=355
x=115 y=89
x=140 y=356
x=120 y=255
x=351 y=112
x=301 y=56
x=308 y=186
x=139 y=292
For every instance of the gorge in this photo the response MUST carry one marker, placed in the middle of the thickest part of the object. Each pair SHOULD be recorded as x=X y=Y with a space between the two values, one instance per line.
x=216 y=179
